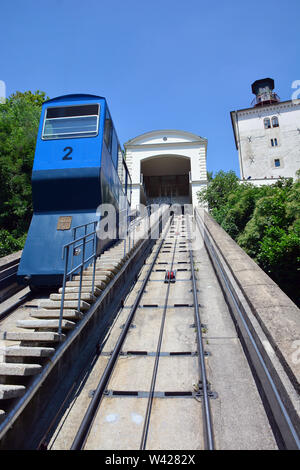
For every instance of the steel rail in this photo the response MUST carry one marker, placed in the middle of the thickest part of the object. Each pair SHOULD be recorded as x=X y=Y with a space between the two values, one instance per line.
x=156 y=362
x=90 y=414
x=208 y=428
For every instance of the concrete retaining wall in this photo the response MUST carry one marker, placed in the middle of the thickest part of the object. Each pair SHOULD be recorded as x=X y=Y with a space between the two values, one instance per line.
x=268 y=325
x=278 y=316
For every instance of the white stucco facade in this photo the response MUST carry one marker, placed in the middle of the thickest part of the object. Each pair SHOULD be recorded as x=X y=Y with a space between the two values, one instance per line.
x=265 y=154
x=167 y=152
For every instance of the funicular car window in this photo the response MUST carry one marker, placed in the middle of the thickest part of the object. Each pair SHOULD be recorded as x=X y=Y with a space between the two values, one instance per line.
x=114 y=149
x=128 y=187
x=71 y=121
x=108 y=131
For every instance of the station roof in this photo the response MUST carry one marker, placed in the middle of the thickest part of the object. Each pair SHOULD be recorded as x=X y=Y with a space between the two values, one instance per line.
x=146 y=137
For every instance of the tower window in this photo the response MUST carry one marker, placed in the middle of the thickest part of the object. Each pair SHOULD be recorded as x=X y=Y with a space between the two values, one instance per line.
x=267 y=123
x=108 y=131
x=276 y=162
x=274 y=142
x=275 y=122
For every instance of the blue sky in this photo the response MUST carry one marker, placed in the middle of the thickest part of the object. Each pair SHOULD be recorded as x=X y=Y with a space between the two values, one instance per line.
x=161 y=64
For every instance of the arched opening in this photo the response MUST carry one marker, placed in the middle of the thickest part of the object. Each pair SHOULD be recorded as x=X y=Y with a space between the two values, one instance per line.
x=166 y=179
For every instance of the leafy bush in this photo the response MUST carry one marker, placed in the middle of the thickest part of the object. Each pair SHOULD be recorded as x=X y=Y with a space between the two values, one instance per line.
x=9 y=244
x=264 y=221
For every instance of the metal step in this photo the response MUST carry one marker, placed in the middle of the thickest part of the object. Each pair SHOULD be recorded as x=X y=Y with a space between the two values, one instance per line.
x=19 y=369
x=114 y=260
x=84 y=290
x=26 y=351
x=99 y=284
x=11 y=391
x=46 y=324
x=67 y=314
x=87 y=297
x=104 y=276
x=35 y=336
x=105 y=267
x=68 y=304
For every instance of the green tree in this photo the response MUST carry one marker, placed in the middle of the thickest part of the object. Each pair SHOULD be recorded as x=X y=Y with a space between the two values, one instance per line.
x=265 y=222
x=19 y=121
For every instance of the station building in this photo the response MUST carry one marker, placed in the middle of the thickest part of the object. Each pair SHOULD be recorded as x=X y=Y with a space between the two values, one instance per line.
x=267 y=136
x=166 y=166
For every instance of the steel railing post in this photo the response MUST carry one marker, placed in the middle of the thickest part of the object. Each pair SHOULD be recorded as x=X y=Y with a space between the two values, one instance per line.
x=66 y=256
x=94 y=262
x=81 y=272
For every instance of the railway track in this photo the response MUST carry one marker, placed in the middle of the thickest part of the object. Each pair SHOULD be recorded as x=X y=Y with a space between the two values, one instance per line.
x=8 y=276
x=170 y=264
x=169 y=372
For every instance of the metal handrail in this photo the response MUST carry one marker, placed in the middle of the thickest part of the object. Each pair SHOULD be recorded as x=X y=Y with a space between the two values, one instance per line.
x=130 y=226
x=136 y=222
x=74 y=229
x=265 y=99
x=68 y=273
x=76 y=243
